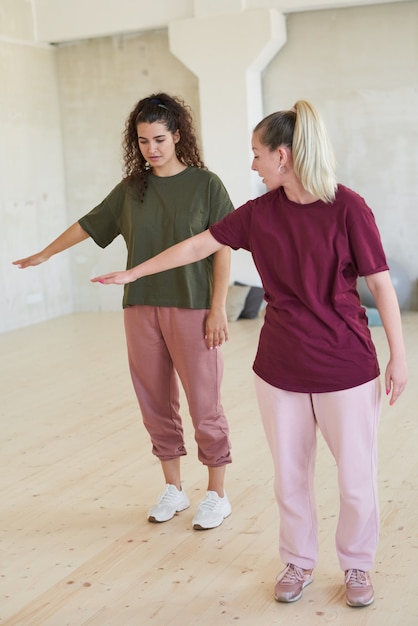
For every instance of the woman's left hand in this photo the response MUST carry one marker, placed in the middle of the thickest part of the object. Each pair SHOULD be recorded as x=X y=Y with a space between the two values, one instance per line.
x=216 y=328
x=396 y=377
x=114 y=278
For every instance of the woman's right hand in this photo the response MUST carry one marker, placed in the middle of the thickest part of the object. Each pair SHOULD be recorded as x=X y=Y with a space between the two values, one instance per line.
x=115 y=278
x=74 y=234
x=35 y=259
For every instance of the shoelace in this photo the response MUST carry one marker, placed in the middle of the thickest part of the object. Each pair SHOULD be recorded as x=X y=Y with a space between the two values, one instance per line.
x=356 y=578
x=210 y=502
x=168 y=496
x=292 y=574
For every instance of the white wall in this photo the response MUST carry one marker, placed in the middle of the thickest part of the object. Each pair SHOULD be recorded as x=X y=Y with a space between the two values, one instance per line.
x=68 y=20
x=364 y=79
x=358 y=65
x=32 y=200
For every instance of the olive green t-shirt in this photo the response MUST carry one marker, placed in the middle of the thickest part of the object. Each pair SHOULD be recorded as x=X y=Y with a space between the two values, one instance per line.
x=174 y=208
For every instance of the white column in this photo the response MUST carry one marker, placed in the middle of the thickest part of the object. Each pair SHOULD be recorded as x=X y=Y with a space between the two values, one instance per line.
x=228 y=54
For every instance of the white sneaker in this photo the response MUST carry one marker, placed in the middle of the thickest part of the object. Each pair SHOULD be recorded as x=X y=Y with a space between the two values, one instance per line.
x=172 y=501
x=212 y=511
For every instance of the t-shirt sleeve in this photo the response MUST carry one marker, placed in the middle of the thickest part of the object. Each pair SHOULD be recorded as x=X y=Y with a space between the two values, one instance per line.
x=102 y=223
x=365 y=240
x=234 y=229
x=220 y=202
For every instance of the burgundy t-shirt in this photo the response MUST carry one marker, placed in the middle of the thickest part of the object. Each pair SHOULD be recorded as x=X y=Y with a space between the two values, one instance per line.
x=315 y=336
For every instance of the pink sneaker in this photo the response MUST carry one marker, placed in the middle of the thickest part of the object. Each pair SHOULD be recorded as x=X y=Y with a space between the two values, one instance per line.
x=359 y=588
x=290 y=585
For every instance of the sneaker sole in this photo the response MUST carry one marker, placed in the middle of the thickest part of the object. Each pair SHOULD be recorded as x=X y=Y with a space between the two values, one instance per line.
x=200 y=527
x=295 y=599
x=358 y=605
x=154 y=520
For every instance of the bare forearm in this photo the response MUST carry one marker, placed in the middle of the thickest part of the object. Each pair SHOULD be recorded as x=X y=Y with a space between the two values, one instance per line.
x=396 y=373
x=387 y=304
x=221 y=270
x=70 y=237
x=187 y=251
x=216 y=325
x=73 y=235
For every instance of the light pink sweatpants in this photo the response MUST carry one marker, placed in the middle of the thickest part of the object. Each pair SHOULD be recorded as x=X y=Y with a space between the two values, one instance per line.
x=348 y=421
x=162 y=341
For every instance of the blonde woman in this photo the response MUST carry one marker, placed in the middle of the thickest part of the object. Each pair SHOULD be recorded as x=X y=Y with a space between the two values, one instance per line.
x=316 y=365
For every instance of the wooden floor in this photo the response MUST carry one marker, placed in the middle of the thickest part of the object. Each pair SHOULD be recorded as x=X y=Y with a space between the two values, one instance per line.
x=77 y=478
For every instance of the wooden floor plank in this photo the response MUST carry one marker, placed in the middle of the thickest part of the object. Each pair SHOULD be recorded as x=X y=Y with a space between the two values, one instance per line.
x=77 y=478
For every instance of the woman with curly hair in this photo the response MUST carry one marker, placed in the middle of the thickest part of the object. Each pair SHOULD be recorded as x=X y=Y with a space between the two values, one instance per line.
x=176 y=321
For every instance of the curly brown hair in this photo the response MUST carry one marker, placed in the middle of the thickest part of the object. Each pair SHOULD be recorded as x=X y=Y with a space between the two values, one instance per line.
x=175 y=115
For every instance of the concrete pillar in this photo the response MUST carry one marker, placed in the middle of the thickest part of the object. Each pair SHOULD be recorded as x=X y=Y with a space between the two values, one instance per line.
x=228 y=54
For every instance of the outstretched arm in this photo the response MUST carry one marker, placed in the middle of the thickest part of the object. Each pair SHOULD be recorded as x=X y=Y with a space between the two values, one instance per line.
x=188 y=251
x=384 y=295
x=73 y=235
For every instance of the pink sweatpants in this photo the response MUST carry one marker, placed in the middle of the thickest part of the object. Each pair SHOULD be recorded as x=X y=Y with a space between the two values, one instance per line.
x=348 y=421
x=162 y=341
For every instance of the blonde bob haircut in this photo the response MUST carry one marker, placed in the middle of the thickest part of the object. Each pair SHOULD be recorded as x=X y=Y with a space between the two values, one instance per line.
x=303 y=131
